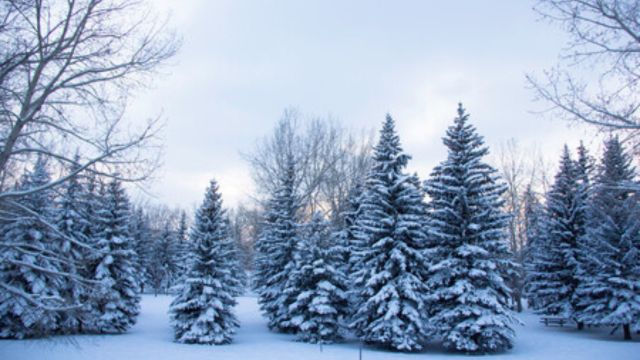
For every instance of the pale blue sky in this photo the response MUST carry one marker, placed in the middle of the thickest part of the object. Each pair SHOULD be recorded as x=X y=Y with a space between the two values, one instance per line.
x=243 y=62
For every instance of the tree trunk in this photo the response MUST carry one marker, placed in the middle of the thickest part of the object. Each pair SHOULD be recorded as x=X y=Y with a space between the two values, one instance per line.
x=627 y=331
x=580 y=325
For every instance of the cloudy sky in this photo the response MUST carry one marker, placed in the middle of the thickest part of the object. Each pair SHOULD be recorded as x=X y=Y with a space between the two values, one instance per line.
x=243 y=62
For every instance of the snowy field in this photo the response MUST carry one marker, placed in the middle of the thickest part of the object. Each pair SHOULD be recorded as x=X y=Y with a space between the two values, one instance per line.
x=151 y=339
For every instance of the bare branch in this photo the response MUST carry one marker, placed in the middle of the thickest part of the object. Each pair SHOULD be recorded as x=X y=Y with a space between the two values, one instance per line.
x=605 y=39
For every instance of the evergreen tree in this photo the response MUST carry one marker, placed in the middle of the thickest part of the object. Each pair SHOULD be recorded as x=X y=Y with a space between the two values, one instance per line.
x=30 y=272
x=389 y=282
x=556 y=273
x=533 y=220
x=115 y=301
x=233 y=244
x=584 y=167
x=202 y=312
x=263 y=268
x=143 y=245
x=348 y=236
x=163 y=265
x=534 y=232
x=89 y=202
x=183 y=250
x=468 y=294
x=275 y=249
x=584 y=172
x=321 y=303
x=73 y=246
x=609 y=293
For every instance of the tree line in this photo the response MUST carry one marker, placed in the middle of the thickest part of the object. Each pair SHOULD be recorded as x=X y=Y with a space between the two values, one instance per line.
x=410 y=262
x=67 y=72
x=345 y=239
x=584 y=242
x=396 y=270
x=69 y=263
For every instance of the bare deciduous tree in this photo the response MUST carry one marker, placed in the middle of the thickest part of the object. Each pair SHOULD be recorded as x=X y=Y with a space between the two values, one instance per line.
x=245 y=225
x=66 y=71
x=329 y=160
x=519 y=170
x=605 y=40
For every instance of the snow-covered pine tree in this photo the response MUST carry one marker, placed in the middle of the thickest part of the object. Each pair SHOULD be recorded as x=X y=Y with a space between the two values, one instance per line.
x=74 y=245
x=143 y=245
x=202 y=311
x=89 y=202
x=184 y=250
x=263 y=268
x=584 y=172
x=31 y=277
x=320 y=285
x=534 y=233
x=533 y=220
x=344 y=237
x=609 y=293
x=233 y=244
x=163 y=263
x=347 y=237
x=468 y=294
x=115 y=300
x=389 y=282
x=555 y=274
x=275 y=249
x=584 y=167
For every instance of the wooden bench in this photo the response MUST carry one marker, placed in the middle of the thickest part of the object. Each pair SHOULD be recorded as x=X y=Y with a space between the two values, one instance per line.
x=555 y=321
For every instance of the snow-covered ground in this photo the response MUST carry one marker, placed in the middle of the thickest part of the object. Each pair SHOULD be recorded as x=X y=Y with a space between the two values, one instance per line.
x=151 y=338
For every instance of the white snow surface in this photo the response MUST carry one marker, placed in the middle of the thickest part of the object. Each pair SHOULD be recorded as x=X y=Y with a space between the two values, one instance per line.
x=151 y=338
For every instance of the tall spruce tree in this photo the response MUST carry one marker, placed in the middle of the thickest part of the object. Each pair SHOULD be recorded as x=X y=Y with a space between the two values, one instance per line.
x=202 y=312
x=347 y=236
x=584 y=167
x=556 y=273
x=163 y=265
x=609 y=293
x=74 y=245
x=115 y=301
x=184 y=251
x=389 y=281
x=468 y=294
x=534 y=232
x=89 y=203
x=275 y=247
x=143 y=245
x=321 y=304
x=233 y=247
x=533 y=220
x=584 y=173
x=263 y=268
x=31 y=276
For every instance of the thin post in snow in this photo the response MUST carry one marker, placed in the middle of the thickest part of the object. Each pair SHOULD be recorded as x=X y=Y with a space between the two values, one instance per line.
x=360 y=352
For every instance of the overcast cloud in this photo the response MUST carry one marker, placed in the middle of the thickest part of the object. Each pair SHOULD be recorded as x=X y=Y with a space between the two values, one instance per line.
x=243 y=62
